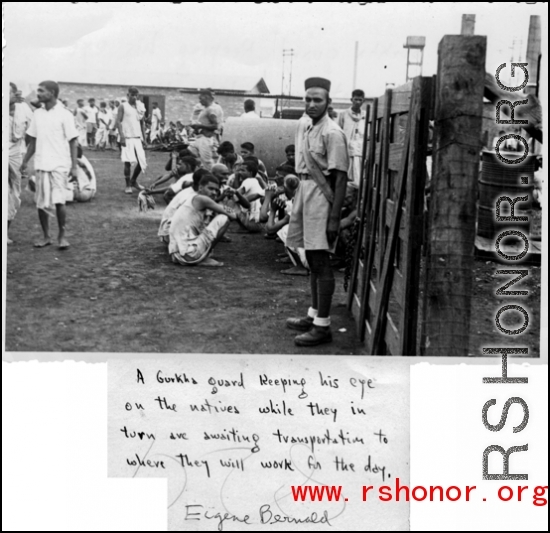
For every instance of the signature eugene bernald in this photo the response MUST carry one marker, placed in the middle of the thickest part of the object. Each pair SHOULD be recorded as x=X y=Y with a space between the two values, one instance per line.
x=265 y=513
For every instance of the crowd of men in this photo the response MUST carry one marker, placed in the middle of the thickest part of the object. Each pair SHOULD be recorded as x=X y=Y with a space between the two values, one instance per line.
x=308 y=205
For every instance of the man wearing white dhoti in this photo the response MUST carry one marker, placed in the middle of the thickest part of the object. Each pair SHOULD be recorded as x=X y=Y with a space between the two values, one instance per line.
x=54 y=140
x=130 y=128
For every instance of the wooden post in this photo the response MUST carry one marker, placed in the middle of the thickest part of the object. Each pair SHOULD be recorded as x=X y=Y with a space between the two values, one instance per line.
x=533 y=53
x=451 y=235
x=468 y=24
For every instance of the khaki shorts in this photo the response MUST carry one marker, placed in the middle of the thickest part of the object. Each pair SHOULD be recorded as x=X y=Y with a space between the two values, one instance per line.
x=307 y=228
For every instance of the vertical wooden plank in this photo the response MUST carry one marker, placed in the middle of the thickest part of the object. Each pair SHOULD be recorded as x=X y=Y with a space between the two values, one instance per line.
x=384 y=159
x=362 y=206
x=414 y=220
x=373 y=228
x=457 y=144
x=386 y=277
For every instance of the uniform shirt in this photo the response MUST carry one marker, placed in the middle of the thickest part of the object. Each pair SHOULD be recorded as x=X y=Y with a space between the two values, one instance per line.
x=300 y=164
x=53 y=130
x=219 y=113
x=353 y=125
x=327 y=145
x=208 y=117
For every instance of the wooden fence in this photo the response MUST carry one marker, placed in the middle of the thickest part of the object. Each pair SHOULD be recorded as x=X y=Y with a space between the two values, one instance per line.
x=386 y=286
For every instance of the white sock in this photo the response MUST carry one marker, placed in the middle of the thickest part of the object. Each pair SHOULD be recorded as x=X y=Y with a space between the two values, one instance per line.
x=321 y=322
x=311 y=313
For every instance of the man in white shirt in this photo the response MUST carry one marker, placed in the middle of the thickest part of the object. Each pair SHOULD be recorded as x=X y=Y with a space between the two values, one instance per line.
x=54 y=140
x=130 y=128
x=81 y=125
x=206 y=126
x=245 y=195
x=91 y=122
x=156 y=119
x=352 y=121
x=250 y=110
x=20 y=119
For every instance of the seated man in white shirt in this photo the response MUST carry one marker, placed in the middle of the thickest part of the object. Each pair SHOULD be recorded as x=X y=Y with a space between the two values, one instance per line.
x=183 y=175
x=192 y=237
x=245 y=185
x=190 y=188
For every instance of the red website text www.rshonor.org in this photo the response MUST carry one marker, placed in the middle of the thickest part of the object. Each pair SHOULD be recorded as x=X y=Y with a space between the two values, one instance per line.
x=386 y=493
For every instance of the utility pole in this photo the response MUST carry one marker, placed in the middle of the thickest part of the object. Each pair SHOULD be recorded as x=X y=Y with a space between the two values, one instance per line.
x=287 y=53
x=355 y=66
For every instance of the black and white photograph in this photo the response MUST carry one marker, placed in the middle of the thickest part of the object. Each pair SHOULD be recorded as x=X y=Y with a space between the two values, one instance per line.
x=307 y=239
x=389 y=250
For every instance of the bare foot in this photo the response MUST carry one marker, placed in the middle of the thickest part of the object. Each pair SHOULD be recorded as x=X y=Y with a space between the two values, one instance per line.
x=43 y=243
x=63 y=244
x=295 y=271
x=209 y=262
x=9 y=241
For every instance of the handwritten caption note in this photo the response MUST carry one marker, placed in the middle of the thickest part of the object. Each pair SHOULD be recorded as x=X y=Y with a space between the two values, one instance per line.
x=241 y=440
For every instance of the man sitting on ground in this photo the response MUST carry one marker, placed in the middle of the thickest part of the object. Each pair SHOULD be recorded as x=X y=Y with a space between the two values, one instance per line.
x=290 y=152
x=191 y=238
x=279 y=217
x=183 y=176
x=228 y=157
x=177 y=201
x=247 y=150
x=246 y=186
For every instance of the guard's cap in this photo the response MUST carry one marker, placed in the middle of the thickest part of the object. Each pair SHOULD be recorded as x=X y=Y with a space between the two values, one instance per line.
x=322 y=83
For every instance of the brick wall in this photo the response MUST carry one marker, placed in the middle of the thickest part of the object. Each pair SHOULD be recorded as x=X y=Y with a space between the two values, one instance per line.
x=178 y=105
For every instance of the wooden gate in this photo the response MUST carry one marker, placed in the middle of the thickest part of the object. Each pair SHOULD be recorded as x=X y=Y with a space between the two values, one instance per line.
x=384 y=284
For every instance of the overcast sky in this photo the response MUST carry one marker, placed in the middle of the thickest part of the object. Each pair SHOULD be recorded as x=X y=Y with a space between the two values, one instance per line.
x=175 y=44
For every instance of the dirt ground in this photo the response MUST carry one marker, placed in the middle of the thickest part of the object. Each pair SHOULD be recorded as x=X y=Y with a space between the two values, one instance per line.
x=115 y=289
